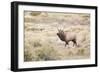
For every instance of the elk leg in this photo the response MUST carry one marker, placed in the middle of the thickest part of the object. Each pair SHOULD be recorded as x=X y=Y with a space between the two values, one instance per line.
x=74 y=41
x=66 y=44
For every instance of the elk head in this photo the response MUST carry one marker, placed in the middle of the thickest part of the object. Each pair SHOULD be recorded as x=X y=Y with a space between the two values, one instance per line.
x=61 y=34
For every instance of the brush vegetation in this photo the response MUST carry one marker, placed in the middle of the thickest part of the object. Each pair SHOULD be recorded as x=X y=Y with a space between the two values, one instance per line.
x=41 y=40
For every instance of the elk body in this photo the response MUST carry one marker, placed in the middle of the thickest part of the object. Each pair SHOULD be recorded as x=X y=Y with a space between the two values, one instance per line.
x=67 y=37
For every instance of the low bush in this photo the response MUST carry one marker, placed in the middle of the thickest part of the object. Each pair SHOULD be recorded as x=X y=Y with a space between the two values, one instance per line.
x=37 y=44
x=45 y=53
x=42 y=54
x=28 y=56
x=35 y=13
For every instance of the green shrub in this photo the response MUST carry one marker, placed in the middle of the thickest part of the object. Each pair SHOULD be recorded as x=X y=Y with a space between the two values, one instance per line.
x=45 y=53
x=37 y=44
x=80 y=51
x=28 y=56
x=35 y=13
x=70 y=53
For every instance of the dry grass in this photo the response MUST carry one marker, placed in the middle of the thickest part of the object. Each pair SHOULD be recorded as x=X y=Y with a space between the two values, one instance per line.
x=42 y=42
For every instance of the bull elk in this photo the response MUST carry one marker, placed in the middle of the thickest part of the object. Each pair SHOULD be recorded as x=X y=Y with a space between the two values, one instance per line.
x=67 y=37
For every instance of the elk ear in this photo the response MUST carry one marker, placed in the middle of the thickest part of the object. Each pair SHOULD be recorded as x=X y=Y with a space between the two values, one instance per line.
x=57 y=34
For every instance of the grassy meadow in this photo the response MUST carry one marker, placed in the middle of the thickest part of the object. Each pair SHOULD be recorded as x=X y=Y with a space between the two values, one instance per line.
x=41 y=40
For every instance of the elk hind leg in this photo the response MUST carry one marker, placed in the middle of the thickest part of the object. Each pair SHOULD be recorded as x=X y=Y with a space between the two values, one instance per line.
x=75 y=43
x=66 y=44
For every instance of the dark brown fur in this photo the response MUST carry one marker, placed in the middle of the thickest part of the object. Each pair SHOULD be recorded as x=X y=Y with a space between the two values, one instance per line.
x=67 y=37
